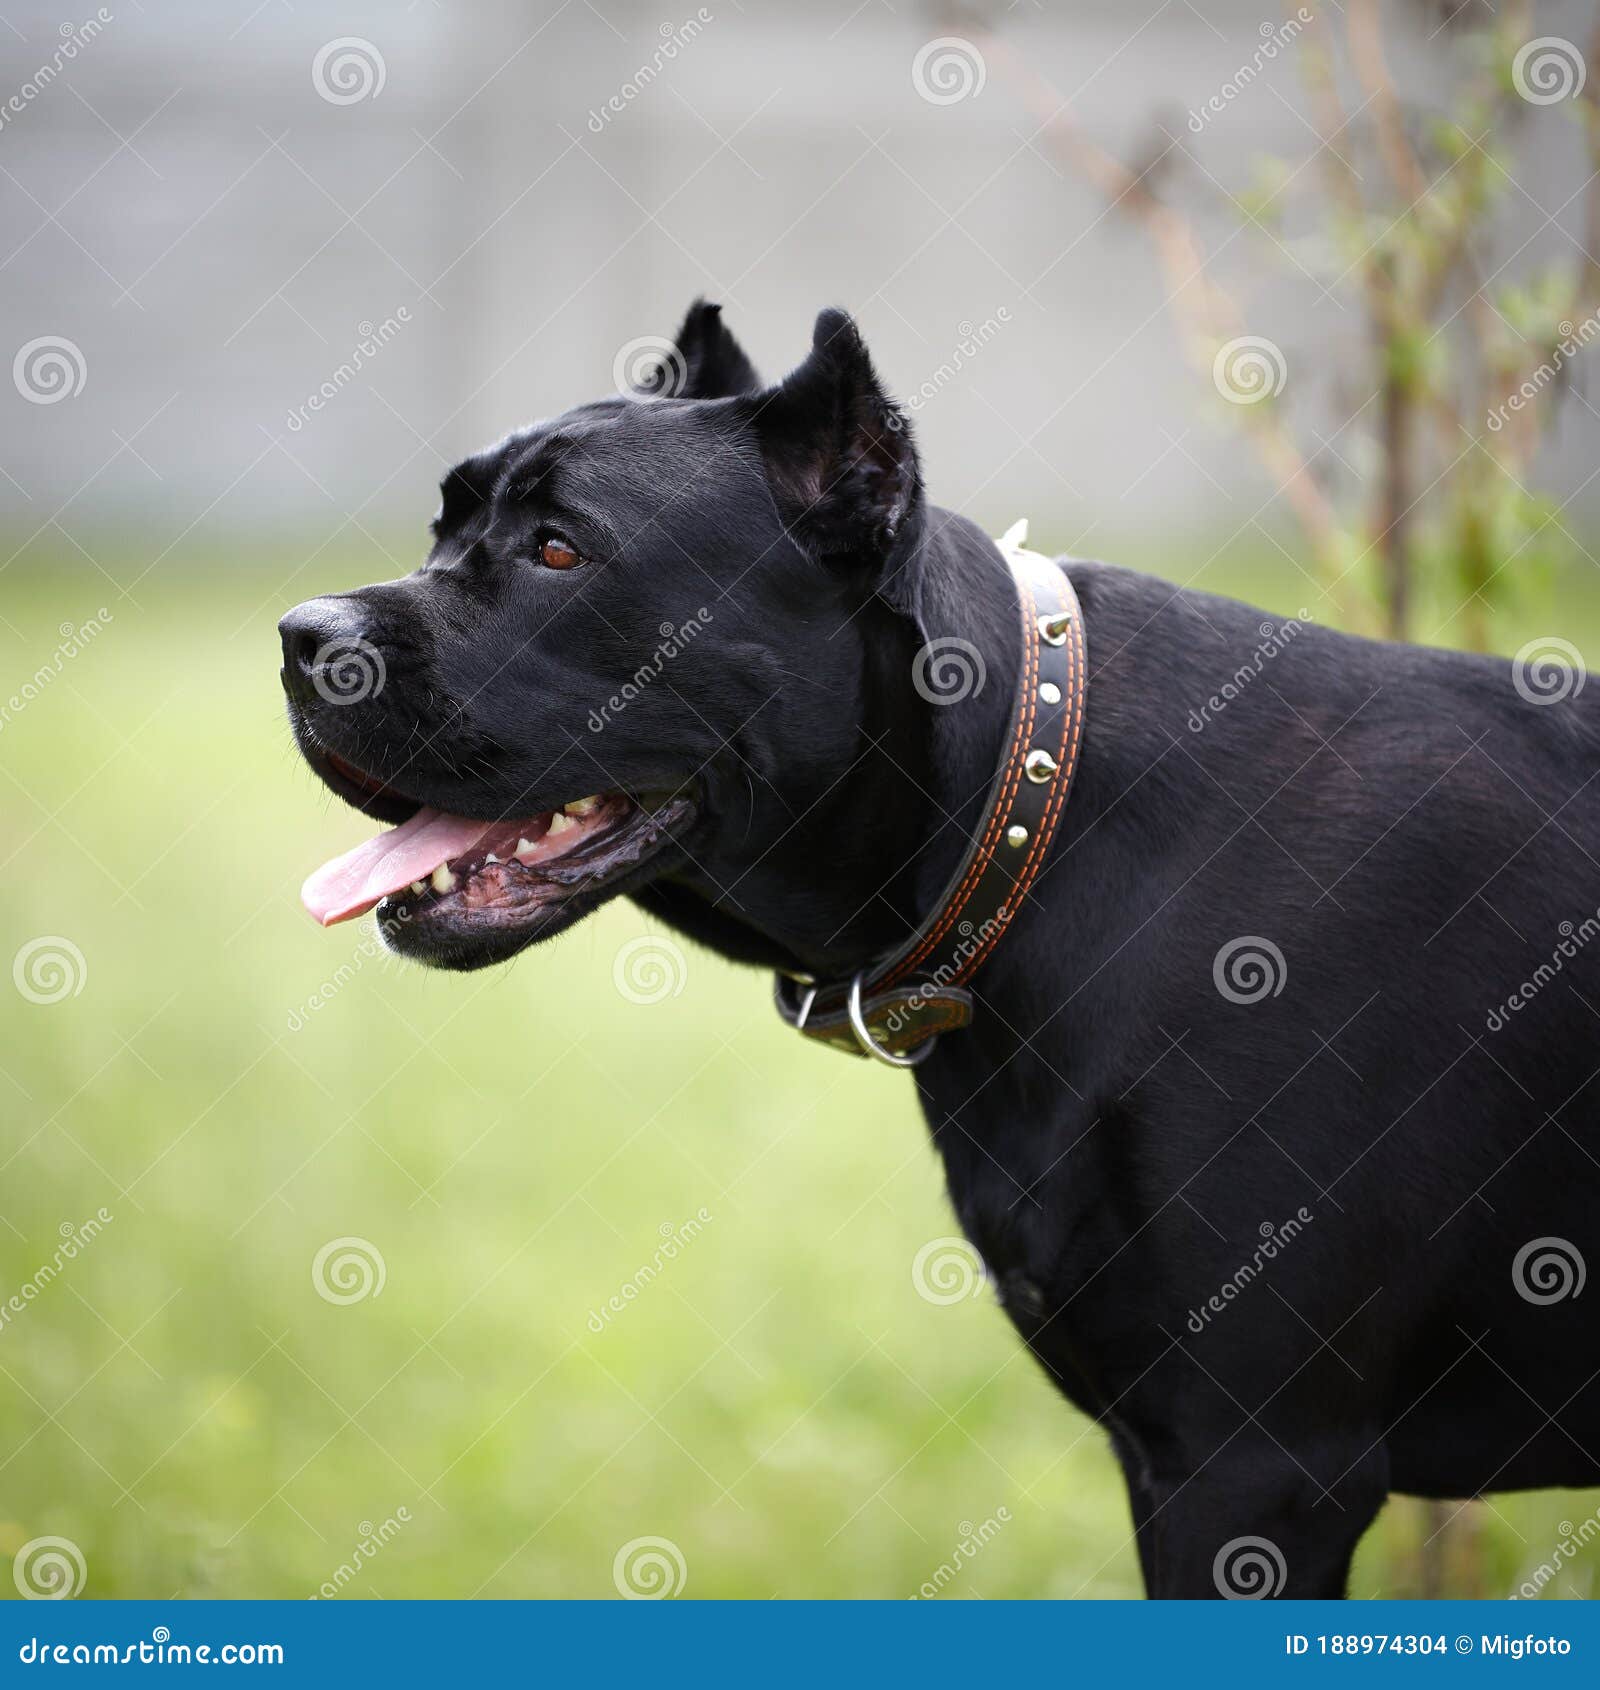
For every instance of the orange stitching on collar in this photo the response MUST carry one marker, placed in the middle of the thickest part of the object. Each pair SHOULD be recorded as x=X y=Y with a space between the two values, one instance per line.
x=1013 y=779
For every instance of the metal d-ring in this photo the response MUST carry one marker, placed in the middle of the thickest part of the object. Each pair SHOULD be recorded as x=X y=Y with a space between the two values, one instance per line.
x=863 y=1033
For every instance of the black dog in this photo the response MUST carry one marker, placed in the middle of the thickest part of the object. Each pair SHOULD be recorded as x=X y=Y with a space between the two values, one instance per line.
x=1275 y=1124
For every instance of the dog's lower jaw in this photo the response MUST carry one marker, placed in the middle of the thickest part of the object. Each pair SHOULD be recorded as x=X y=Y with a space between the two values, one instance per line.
x=460 y=932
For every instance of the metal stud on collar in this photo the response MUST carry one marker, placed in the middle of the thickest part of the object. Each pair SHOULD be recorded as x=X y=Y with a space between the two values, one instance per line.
x=1039 y=766
x=1053 y=627
x=1016 y=835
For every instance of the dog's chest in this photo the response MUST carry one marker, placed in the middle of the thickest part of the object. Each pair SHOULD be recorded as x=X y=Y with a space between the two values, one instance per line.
x=1027 y=1181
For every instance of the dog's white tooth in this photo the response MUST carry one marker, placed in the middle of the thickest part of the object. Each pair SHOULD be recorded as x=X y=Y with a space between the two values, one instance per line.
x=443 y=879
x=559 y=823
x=526 y=848
x=419 y=887
x=582 y=806
x=491 y=858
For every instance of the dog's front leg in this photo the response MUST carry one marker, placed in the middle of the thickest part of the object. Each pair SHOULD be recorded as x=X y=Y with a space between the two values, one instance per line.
x=1250 y=1521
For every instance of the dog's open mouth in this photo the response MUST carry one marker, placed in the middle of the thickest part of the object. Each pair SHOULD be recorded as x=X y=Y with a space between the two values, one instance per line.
x=486 y=886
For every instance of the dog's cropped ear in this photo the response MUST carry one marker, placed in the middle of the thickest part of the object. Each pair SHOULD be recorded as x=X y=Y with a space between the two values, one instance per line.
x=708 y=363
x=838 y=451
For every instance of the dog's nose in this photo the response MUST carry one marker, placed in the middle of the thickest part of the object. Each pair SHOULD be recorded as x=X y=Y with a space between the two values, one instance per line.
x=314 y=634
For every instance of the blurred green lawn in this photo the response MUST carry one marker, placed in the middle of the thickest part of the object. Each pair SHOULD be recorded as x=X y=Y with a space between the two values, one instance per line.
x=181 y=1403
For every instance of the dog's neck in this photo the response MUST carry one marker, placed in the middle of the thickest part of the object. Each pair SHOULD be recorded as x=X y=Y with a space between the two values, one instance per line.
x=857 y=872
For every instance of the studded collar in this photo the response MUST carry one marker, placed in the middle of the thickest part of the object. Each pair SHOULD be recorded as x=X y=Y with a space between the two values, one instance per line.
x=896 y=1009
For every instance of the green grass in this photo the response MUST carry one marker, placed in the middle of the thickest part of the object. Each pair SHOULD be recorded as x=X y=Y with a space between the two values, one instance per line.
x=183 y=1405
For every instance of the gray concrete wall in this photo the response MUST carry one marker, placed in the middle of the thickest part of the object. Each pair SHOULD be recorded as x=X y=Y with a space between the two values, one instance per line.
x=183 y=205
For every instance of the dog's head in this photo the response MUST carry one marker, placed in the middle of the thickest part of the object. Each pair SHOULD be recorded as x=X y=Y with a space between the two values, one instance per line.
x=639 y=637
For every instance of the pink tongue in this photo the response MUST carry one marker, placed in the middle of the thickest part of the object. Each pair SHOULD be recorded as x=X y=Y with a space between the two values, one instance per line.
x=352 y=884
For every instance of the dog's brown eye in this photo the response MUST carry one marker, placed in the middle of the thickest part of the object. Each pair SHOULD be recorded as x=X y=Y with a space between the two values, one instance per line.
x=557 y=554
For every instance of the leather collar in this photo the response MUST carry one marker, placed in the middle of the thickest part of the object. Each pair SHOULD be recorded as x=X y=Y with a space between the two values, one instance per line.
x=896 y=1009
